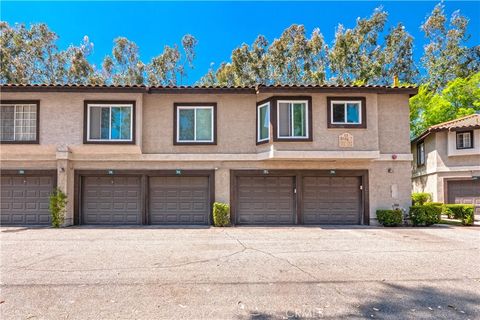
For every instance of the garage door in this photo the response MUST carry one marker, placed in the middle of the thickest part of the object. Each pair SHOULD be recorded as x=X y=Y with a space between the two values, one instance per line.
x=265 y=200
x=465 y=192
x=112 y=200
x=179 y=200
x=331 y=200
x=25 y=200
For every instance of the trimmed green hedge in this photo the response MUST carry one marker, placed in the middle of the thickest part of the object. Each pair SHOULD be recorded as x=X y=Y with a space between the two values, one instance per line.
x=425 y=215
x=420 y=198
x=463 y=212
x=390 y=218
x=221 y=214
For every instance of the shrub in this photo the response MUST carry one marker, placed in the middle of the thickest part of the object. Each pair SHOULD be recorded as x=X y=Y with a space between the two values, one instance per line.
x=390 y=218
x=58 y=207
x=419 y=198
x=221 y=214
x=463 y=212
x=425 y=215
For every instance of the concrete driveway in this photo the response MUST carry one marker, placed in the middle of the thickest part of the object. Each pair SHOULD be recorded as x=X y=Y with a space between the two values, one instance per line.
x=240 y=273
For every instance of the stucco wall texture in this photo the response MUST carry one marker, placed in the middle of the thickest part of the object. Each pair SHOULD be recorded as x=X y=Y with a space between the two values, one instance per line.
x=61 y=125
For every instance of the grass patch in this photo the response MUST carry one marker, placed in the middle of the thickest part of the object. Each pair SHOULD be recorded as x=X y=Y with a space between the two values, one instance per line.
x=451 y=222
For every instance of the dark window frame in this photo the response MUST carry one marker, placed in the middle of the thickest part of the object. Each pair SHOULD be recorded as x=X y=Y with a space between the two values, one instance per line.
x=37 y=133
x=421 y=162
x=363 y=111
x=471 y=139
x=86 y=129
x=273 y=119
x=176 y=105
x=257 y=119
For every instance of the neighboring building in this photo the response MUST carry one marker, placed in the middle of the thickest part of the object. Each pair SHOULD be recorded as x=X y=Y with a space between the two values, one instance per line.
x=447 y=161
x=163 y=155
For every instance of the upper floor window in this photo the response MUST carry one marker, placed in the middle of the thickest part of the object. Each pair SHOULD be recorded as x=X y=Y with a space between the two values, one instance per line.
x=263 y=122
x=346 y=112
x=110 y=122
x=19 y=121
x=420 y=153
x=292 y=119
x=195 y=123
x=465 y=140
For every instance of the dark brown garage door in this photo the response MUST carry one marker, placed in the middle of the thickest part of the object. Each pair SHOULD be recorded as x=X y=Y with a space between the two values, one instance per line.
x=112 y=200
x=331 y=200
x=265 y=200
x=25 y=199
x=465 y=192
x=179 y=200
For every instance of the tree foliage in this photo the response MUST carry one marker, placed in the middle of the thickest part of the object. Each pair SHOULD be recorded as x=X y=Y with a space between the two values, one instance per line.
x=459 y=98
x=30 y=55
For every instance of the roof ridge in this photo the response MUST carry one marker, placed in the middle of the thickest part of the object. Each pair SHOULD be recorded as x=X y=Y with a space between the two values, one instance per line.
x=455 y=120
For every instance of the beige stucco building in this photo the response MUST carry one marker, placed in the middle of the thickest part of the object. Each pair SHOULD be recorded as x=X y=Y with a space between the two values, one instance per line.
x=163 y=155
x=447 y=161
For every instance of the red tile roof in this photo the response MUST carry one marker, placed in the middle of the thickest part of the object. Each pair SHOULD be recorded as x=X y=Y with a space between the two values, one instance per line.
x=467 y=122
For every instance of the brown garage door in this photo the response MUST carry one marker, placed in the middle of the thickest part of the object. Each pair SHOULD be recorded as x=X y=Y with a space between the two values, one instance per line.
x=179 y=200
x=112 y=200
x=331 y=200
x=25 y=199
x=265 y=200
x=465 y=192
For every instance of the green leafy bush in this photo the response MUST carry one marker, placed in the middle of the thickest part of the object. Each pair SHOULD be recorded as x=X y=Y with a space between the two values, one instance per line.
x=463 y=212
x=58 y=207
x=419 y=198
x=390 y=218
x=221 y=214
x=425 y=215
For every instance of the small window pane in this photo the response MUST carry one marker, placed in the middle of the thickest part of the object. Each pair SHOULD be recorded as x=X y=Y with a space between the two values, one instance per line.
x=121 y=120
x=338 y=112
x=264 y=122
x=353 y=113
x=299 y=121
x=203 y=124
x=105 y=124
x=95 y=123
x=186 y=124
x=284 y=119
x=7 y=123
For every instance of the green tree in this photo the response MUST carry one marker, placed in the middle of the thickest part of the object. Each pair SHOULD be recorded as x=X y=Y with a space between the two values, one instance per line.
x=124 y=67
x=446 y=56
x=459 y=98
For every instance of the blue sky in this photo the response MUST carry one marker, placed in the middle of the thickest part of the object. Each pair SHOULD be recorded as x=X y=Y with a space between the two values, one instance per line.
x=218 y=26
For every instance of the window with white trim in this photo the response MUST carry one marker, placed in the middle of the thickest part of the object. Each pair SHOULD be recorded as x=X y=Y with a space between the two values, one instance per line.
x=195 y=124
x=292 y=119
x=110 y=122
x=263 y=124
x=346 y=112
x=464 y=140
x=18 y=122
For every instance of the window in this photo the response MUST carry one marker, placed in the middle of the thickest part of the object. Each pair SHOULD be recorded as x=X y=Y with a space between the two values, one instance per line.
x=19 y=121
x=195 y=123
x=110 y=122
x=263 y=122
x=465 y=140
x=421 y=153
x=292 y=119
x=346 y=112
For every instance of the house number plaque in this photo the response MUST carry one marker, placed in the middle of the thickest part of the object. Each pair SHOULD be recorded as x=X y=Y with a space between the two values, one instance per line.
x=345 y=140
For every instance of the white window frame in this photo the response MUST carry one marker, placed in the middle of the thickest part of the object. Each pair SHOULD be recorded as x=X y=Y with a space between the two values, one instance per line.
x=463 y=140
x=211 y=108
x=292 y=102
x=265 y=105
x=15 y=105
x=345 y=102
x=421 y=155
x=109 y=106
